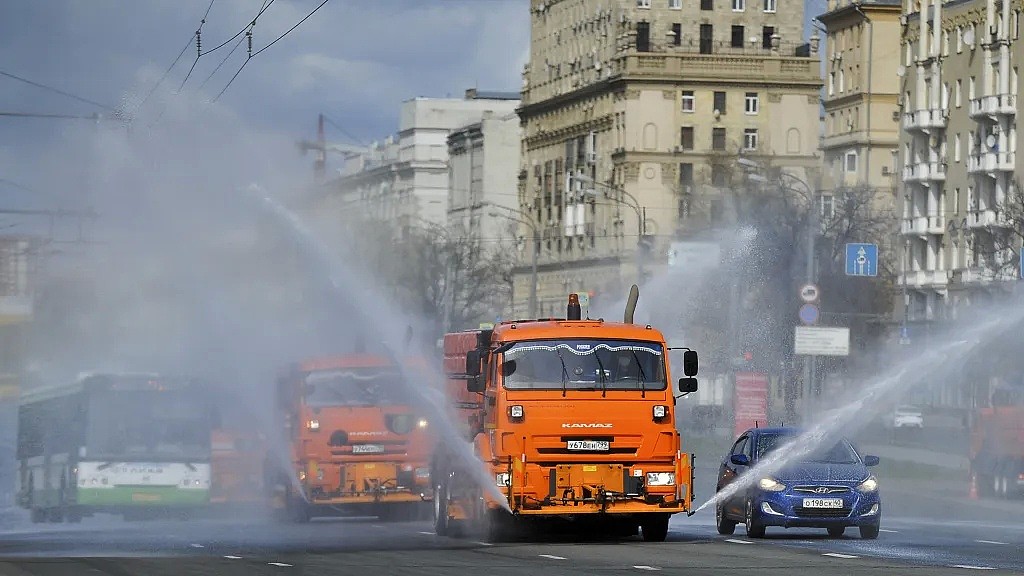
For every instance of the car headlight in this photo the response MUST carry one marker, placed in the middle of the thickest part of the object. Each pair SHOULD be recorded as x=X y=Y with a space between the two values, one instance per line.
x=771 y=485
x=661 y=478
x=502 y=479
x=660 y=412
x=869 y=485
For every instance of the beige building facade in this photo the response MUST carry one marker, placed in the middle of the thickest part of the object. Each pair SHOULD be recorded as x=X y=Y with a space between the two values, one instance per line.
x=634 y=113
x=957 y=151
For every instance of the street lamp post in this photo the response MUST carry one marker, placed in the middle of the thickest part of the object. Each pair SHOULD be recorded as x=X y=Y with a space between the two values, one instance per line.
x=524 y=218
x=641 y=224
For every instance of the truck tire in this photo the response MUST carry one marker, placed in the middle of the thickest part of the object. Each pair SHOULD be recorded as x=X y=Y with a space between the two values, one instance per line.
x=441 y=509
x=654 y=527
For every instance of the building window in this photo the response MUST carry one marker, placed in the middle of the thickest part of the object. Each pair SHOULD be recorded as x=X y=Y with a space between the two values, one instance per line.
x=706 y=38
x=956 y=147
x=686 y=137
x=685 y=175
x=675 y=4
x=831 y=83
x=945 y=43
x=720 y=102
x=769 y=5
x=970 y=88
x=737 y=36
x=750 y=139
x=766 y=37
x=707 y=4
x=851 y=162
x=718 y=138
x=643 y=3
x=739 y=5
x=945 y=96
x=828 y=207
x=752 y=103
x=643 y=37
x=842 y=81
x=719 y=175
x=677 y=34
x=958 y=92
x=689 y=101
x=959 y=39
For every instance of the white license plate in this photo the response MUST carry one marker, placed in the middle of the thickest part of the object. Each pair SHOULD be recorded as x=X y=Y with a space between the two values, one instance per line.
x=587 y=445
x=367 y=449
x=823 y=502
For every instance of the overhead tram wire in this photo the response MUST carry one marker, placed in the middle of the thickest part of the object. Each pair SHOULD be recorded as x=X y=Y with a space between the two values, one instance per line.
x=263 y=8
x=57 y=91
x=199 y=46
x=258 y=52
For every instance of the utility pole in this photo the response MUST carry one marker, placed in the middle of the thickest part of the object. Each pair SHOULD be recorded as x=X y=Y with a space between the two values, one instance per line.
x=811 y=360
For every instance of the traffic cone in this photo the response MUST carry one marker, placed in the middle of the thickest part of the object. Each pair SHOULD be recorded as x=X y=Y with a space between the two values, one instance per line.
x=973 y=494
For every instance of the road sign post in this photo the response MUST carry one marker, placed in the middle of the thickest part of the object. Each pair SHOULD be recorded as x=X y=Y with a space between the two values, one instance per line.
x=861 y=259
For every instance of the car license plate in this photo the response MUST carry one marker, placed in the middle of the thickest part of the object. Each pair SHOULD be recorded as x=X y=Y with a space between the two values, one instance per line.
x=367 y=449
x=823 y=502
x=588 y=445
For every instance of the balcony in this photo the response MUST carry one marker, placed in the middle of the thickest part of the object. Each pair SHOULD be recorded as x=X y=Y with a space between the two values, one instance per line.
x=925 y=172
x=993 y=106
x=937 y=224
x=925 y=120
x=738 y=67
x=925 y=278
x=916 y=225
x=972 y=276
x=987 y=219
x=987 y=162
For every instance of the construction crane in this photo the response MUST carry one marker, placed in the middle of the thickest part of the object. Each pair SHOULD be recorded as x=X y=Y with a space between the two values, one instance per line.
x=322 y=147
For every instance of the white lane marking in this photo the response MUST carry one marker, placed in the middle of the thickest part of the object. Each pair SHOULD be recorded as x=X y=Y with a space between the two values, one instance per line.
x=888 y=531
x=642 y=567
x=229 y=557
x=197 y=546
x=735 y=541
x=969 y=567
x=838 y=555
x=485 y=544
x=991 y=542
x=281 y=564
x=427 y=533
x=551 y=557
x=376 y=525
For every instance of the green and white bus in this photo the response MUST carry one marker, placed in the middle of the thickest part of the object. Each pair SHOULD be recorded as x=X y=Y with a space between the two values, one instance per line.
x=130 y=444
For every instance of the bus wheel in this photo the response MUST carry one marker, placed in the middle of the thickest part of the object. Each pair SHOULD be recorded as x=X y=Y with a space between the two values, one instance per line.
x=74 y=515
x=56 y=515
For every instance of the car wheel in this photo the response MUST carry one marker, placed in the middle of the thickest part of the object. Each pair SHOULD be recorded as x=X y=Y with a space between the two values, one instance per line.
x=836 y=531
x=869 y=532
x=754 y=528
x=726 y=527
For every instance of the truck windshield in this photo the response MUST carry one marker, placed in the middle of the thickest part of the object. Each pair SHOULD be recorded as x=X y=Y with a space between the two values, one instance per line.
x=149 y=425
x=584 y=365
x=354 y=387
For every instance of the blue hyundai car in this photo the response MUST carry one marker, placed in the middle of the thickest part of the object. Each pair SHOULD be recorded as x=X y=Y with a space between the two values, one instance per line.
x=831 y=487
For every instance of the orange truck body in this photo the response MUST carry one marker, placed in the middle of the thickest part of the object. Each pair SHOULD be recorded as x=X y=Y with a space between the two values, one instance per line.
x=997 y=450
x=351 y=453
x=237 y=469
x=607 y=452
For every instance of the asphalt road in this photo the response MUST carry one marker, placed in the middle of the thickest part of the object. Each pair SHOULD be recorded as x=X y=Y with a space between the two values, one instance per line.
x=922 y=534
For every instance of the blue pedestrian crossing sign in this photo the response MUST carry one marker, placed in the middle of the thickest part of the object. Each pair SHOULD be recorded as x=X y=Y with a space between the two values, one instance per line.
x=861 y=259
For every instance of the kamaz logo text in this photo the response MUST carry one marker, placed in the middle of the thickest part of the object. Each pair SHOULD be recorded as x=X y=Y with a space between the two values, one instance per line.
x=586 y=425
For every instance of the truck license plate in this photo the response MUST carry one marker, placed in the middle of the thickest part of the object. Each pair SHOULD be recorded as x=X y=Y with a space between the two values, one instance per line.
x=823 y=502
x=588 y=445
x=367 y=449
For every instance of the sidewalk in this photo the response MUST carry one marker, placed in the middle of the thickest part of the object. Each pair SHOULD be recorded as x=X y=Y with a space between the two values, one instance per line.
x=917 y=456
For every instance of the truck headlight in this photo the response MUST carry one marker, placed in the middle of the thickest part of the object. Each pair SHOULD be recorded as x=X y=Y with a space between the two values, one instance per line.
x=869 y=485
x=661 y=478
x=314 y=424
x=422 y=423
x=771 y=485
x=502 y=479
x=660 y=412
x=516 y=411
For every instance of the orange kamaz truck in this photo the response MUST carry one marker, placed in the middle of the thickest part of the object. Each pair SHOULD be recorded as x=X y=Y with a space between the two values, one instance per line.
x=358 y=446
x=571 y=420
x=237 y=474
x=997 y=444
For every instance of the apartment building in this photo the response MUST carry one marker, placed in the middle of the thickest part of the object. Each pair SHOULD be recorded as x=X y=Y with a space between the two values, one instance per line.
x=634 y=113
x=958 y=151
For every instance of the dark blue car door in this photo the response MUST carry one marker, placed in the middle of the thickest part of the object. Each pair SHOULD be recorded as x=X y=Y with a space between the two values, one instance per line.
x=730 y=471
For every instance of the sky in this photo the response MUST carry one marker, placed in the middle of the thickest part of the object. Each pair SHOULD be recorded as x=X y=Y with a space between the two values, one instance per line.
x=353 y=60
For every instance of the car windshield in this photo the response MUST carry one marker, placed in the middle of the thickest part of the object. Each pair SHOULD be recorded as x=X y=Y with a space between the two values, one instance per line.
x=353 y=387
x=584 y=365
x=841 y=452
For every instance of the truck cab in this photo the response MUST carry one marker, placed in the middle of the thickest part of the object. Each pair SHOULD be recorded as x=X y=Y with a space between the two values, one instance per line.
x=357 y=445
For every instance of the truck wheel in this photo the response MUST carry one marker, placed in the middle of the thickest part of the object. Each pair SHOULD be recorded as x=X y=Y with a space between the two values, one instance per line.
x=655 y=527
x=441 y=510
x=726 y=527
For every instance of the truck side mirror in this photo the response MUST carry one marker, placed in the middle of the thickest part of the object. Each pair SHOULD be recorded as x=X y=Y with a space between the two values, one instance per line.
x=473 y=363
x=476 y=384
x=687 y=385
x=690 y=363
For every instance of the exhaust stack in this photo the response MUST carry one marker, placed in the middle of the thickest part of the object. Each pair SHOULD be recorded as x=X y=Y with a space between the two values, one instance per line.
x=634 y=295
